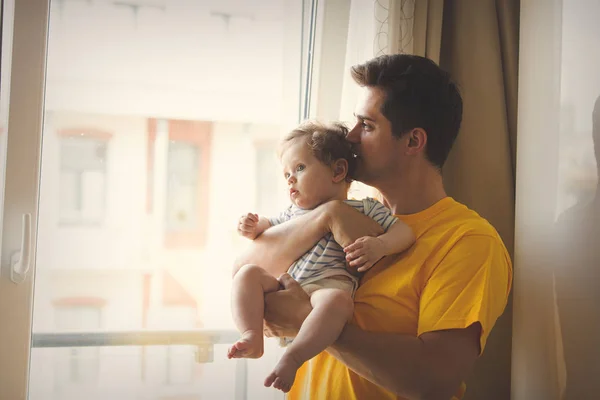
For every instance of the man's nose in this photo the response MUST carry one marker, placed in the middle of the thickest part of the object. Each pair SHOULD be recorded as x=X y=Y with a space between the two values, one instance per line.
x=353 y=136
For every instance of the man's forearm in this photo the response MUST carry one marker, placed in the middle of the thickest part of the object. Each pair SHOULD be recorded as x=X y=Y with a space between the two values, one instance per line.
x=388 y=360
x=397 y=362
x=279 y=246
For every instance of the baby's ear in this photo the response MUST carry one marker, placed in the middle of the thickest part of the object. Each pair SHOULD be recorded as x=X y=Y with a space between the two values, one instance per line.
x=340 y=170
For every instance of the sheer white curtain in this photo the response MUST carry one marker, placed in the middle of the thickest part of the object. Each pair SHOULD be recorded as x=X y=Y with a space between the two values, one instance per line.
x=349 y=33
x=556 y=323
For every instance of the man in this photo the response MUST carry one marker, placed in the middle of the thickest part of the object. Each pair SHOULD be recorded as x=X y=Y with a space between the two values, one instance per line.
x=421 y=318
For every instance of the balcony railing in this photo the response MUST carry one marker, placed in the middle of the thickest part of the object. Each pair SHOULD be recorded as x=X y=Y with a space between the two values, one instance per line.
x=204 y=340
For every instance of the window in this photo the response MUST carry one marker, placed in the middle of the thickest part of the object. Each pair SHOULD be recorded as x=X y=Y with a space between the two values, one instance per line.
x=183 y=186
x=184 y=100
x=77 y=366
x=82 y=179
x=178 y=166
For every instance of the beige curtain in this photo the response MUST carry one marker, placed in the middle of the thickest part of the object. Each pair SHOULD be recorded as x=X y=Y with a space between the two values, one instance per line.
x=477 y=42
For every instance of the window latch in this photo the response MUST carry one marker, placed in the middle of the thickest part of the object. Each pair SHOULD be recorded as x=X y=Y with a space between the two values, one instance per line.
x=20 y=261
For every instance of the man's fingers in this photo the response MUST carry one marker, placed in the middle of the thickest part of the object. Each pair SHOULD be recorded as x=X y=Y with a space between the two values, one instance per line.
x=365 y=267
x=287 y=281
x=353 y=246
x=354 y=255
x=359 y=261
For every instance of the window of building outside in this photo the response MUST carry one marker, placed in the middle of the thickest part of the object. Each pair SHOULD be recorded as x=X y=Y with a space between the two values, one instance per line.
x=183 y=186
x=178 y=165
x=82 y=180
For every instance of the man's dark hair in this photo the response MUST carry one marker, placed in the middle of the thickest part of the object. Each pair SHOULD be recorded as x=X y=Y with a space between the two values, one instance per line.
x=327 y=142
x=418 y=94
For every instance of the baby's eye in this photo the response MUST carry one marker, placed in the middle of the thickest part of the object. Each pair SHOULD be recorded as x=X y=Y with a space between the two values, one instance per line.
x=286 y=175
x=300 y=167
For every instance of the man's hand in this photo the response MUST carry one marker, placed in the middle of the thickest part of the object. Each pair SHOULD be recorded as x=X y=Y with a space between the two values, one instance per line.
x=286 y=309
x=365 y=252
x=247 y=226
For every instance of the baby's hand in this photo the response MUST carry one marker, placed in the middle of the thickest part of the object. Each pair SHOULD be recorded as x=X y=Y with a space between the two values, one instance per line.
x=364 y=252
x=247 y=225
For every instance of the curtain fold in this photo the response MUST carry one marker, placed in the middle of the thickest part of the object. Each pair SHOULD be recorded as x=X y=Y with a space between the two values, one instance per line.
x=508 y=29
x=427 y=28
x=477 y=42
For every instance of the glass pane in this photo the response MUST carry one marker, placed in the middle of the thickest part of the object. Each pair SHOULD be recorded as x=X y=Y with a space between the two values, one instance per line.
x=159 y=131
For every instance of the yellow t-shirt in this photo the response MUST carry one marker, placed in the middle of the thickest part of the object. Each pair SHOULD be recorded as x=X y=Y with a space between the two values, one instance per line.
x=457 y=273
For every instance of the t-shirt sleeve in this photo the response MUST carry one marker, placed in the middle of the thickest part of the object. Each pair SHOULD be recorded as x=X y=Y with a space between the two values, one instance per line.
x=380 y=213
x=284 y=216
x=471 y=284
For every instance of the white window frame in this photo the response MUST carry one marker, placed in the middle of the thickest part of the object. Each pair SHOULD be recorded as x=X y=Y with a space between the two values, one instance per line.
x=30 y=34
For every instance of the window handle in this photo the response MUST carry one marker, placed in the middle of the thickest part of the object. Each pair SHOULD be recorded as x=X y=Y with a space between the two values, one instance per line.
x=21 y=259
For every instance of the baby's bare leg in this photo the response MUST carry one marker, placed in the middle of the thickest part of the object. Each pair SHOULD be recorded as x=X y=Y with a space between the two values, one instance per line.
x=332 y=308
x=248 y=305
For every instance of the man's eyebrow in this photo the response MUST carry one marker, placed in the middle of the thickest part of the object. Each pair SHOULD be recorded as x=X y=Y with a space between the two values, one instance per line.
x=364 y=117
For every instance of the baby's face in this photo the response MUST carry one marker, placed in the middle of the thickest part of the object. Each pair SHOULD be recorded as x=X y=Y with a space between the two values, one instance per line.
x=310 y=182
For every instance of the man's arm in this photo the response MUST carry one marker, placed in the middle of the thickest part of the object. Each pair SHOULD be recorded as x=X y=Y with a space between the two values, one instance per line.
x=431 y=366
x=458 y=307
x=279 y=246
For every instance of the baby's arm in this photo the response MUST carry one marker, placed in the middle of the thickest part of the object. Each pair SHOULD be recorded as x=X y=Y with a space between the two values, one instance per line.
x=252 y=225
x=367 y=250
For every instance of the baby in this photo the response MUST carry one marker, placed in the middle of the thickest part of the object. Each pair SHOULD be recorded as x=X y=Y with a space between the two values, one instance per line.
x=318 y=164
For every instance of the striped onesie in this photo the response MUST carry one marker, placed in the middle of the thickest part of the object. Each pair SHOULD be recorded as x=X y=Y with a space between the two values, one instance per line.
x=327 y=258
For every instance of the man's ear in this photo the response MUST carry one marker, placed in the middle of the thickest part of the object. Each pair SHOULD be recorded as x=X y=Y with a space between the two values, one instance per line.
x=417 y=139
x=340 y=170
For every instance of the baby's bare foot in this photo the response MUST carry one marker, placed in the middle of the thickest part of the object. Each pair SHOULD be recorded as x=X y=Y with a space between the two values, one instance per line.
x=284 y=374
x=250 y=345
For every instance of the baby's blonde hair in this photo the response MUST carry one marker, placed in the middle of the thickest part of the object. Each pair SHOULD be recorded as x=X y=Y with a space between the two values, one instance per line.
x=327 y=142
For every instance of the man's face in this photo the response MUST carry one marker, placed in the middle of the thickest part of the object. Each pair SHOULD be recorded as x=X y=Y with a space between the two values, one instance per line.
x=379 y=153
